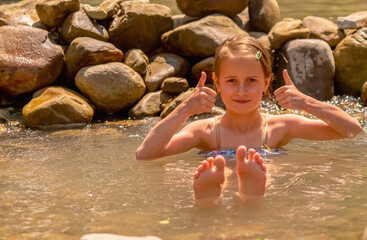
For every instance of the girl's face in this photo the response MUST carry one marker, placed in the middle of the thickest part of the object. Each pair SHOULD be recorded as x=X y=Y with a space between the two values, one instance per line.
x=241 y=83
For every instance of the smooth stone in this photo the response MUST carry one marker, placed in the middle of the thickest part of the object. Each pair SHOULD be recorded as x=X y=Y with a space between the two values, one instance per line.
x=206 y=65
x=175 y=85
x=97 y=13
x=137 y=60
x=182 y=19
x=53 y=12
x=243 y=20
x=264 y=14
x=263 y=38
x=354 y=20
x=20 y=13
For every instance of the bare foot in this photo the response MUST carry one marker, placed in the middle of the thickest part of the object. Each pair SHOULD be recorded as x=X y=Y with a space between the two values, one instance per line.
x=208 y=181
x=251 y=174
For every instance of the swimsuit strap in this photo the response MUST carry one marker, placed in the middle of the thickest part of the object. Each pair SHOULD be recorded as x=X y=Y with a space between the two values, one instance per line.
x=265 y=136
x=217 y=130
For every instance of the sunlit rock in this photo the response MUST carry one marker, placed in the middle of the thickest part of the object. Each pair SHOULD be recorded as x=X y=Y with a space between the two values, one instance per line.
x=175 y=85
x=97 y=13
x=53 y=12
x=22 y=13
x=310 y=65
x=201 y=8
x=162 y=66
x=140 y=25
x=112 y=87
x=137 y=60
x=111 y=7
x=206 y=65
x=4 y=22
x=263 y=38
x=29 y=60
x=350 y=62
x=354 y=20
x=264 y=14
x=286 y=30
x=57 y=106
x=78 y=24
x=201 y=38
x=324 y=29
x=85 y=51
x=107 y=236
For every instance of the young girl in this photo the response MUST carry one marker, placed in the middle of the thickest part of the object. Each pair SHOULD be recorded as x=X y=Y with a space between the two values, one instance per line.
x=242 y=76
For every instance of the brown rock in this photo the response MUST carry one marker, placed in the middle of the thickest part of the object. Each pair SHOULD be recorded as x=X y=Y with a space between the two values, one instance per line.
x=264 y=14
x=111 y=7
x=20 y=13
x=53 y=12
x=354 y=20
x=137 y=60
x=206 y=65
x=4 y=22
x=243 y=20
x=364 y=100
x=175 y=85
x=97 y=13
x=182 y=19
x=177 y=101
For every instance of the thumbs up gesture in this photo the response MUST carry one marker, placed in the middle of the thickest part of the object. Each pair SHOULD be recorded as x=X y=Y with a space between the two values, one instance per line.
x=288 y=96
x=201 y=99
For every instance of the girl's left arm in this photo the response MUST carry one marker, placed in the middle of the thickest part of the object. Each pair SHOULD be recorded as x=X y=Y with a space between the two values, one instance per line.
x=335 y=122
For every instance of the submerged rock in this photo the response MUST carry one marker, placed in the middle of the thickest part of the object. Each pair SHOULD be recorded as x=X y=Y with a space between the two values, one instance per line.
x=53 y=12
x=264 y=14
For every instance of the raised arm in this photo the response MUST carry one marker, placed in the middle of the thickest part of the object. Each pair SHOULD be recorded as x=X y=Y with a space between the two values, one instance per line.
x=164 y=140
x=334 y=124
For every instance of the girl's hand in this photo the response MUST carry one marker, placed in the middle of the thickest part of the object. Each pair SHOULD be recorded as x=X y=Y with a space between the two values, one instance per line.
x=201 y=99
x=289 y=97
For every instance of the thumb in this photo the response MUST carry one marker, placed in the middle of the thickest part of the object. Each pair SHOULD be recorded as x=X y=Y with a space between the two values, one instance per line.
x=202 y=80
x=286 y=77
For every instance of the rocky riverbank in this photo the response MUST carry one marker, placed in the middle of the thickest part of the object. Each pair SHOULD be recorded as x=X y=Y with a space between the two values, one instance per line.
x=65 y=62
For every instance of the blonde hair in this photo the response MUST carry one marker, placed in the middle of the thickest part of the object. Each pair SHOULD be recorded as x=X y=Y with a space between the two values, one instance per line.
x=244 y=47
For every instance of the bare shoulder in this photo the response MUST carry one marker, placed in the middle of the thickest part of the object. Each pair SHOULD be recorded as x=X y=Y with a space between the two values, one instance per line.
x=201 y=125
x=287 y=119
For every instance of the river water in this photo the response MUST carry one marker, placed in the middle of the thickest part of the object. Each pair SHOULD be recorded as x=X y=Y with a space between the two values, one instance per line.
x=62 y=184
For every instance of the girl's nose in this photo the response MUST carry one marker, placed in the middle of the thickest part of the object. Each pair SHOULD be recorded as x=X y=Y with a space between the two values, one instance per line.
x=241 y=89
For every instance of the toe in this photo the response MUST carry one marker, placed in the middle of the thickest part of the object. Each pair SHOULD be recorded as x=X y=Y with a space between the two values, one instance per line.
x=251 y=153
x=210 y=161
x=200 y=169
x=205 y=164
x=241 y=153
x=257 y=158
x=220 y=162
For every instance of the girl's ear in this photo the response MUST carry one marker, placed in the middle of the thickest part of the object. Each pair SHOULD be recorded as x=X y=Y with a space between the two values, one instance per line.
x=267 y=82
x=215 y=80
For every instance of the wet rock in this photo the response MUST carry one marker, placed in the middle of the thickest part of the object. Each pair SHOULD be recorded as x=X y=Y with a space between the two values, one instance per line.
x=78 y=24
x=20 y=13
x=97 y=13
x=140 y=25
x=112 y=87
x=53 y=12
x=107 y=236
x=206 y=65
x=243 y=20
x=111 y=7
x=162 y=66
x=201 y=8
x=286 y=30
x=264 y=14
x=137 y=60
x=177 y=101
x=364 y=100
x=150 y=104
x=57 y=106
x=85 y=51
x=29 y=60
x=311 y=67
x=354 y=20
x=182 y=19
x=321 y=28
x=350 y=62
x=201 y=38
x=175 y=85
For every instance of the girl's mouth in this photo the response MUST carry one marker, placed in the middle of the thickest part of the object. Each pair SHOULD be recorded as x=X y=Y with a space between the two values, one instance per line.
x=241 y=101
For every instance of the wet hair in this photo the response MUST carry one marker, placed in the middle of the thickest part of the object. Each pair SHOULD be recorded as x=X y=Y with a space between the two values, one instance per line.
x=244 y=47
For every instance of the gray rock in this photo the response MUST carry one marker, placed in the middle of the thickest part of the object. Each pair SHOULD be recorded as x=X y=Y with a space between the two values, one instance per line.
x=53 y=12
x=137 y=60
x=350 y=62
x=354 y=20
x=201 y=38
x=177 y=101
x=364 y=100
x=78 y=24
x=206 y=65
x=107 y=236
x=162 y=66
x=29 y=60
x=264 y=14
x=150 y=105
x=175 y=85
x=311 y=67
x=111 y=87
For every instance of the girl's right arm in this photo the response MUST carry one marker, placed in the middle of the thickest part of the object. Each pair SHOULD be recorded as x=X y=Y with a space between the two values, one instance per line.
x=163 y=140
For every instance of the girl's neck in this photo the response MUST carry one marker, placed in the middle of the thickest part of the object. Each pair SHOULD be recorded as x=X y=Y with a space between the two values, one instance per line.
x=242 y=122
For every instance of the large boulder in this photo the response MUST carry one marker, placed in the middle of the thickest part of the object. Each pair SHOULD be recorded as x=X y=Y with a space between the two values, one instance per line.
x=354 y=20
x=85 y=51
x=324 y=29
x=140 y=25
x=162 y=66
x=57 y=106
x=201 y=38
x=201 y=8
x=112 y=87
x=29 y=60
x=53 y=12
x=78 y=24
x=350 y=62
x=310 y=65
x=264 y=14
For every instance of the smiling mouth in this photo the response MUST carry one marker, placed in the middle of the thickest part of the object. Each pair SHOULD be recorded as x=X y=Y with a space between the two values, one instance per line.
x=241 y=101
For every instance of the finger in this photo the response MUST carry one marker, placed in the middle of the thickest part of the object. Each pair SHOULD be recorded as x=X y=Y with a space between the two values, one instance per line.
x=286 y=77
x=209 y=91
x=207 y=97
x=280 y=90
x=202 y=80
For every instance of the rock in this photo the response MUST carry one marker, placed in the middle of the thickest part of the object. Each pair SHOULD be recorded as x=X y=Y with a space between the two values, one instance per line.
x=97 y=13
x=150 y=105
x=179 y=20
x=137 y=60
x=107 y=236
x=201 y=38
x=364 y=100
x=243 y=20
x=201 y=8
x=140 y=25
x=4 y=22
x=177 y=101
x=78 y=24
x=263 y=38
x=264 y=14
x=29 y=60
x=311 y=67
x=85 y=51
x=354 y=20
x=324 y=29
x=175 y=85
x=162 y=66
x=350 y=62
x=111 y=7
x=286 y=30
x=53 y=12
x=20 y=13
x=206 y=65
x=112 y=87
x=57 y=106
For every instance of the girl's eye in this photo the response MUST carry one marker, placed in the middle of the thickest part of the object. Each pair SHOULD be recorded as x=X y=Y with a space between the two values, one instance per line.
x=252 y=80
x=231 y=80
